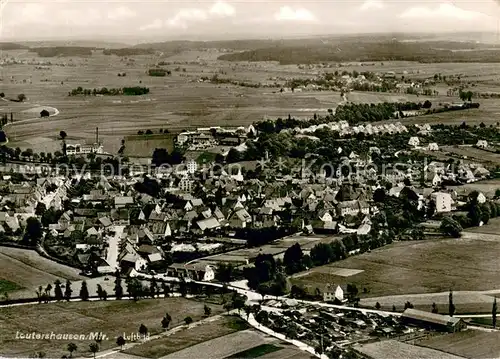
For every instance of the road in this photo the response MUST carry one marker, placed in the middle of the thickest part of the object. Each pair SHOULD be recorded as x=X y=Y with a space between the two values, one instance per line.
x=114 y=246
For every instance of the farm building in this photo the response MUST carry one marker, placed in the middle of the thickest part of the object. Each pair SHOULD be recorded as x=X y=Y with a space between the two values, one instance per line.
x=78 y=149
x=433 y=321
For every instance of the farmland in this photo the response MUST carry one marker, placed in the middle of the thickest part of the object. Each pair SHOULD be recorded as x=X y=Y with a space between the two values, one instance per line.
x=391 y=349
x=144 y=145
x=220 y=347
x=26 y=270
x=179 y=101
x=112 y=318
x=186 y=338
x=393 y=273
x=468 y=344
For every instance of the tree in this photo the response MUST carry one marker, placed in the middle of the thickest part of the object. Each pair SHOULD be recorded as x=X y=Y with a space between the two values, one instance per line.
x=40 y=209
x=63 y=135
x=58 y=294
x=379 y=195
x=393 y=308
x=434 y=308
x=494 y=313
x=72 y=348
x=100 y=291
x=450 y=227
x=21 y=97
x=188 y=320
x=33 y=231
x=134 y=288
x=293 y=259
x=233 y=156
x=67 y=290
x=143 y=330
x=377 y=306
x=207 y=310
x=120 y=341
x=153 y=287
x=94 y=348
x=165 y=289
x=84 y=292
x=165 y=322
x=451 y=306
x=118 y=285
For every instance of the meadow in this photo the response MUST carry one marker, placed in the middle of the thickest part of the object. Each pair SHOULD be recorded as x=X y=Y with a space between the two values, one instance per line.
x=112 y=318
x=422 y=272
x=22 y=271
x=469 y=344
x=188 y=339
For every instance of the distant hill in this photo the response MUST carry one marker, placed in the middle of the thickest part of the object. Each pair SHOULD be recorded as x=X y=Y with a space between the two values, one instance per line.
x=342 y=51
x=11 y=46
x=62 y=51
x=129 y=51
x=75 y=43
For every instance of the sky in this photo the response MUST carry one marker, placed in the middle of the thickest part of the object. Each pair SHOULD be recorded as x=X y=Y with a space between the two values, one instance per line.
x=209 y=19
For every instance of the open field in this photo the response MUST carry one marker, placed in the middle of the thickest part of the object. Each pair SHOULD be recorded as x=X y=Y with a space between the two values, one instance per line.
x=112 y=318
x=469 y=344
x=144 y=145
x=27 y=270
x=391 y=349
x=224 y=346
x=179 y=101
x=488 y=187
x=473 y=153
x=188 y=337
x=256 y=352
x=8 y=286
x=406 y=268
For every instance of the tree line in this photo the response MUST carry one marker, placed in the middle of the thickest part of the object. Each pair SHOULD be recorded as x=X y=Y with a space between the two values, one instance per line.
x=128 y=91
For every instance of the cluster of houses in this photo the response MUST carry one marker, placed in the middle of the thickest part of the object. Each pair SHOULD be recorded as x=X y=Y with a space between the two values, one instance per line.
x=100 y=227
x=208 y=137
x=344 y=129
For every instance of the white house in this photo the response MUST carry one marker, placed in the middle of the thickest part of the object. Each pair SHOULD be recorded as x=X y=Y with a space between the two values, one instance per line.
x=482 y=144
x=333 y=293
x=433 y=146
x=414 y=142
x=325 y=216
x=443 y=202
x=481 y=198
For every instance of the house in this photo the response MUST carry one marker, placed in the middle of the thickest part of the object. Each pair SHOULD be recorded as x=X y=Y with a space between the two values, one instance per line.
x=123 y=201
x=208 y=223
x=240 y=218
x=481 y=198
x=414 y=142
x=333 y=293
x=443 y=202
x=352 y=208
x=433 y=321
x=196 y=270
x=325 y=216
x=433 y=146
x=482 y=144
